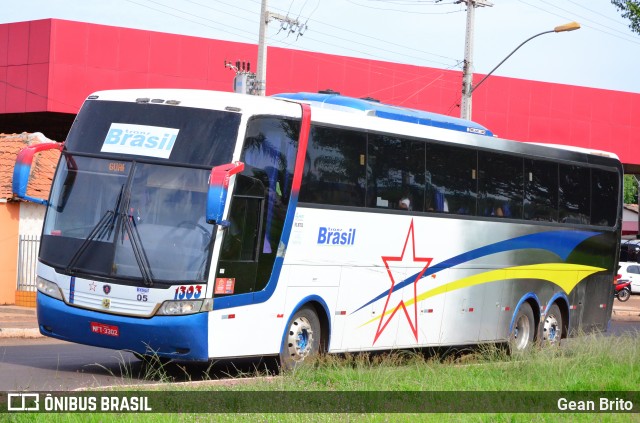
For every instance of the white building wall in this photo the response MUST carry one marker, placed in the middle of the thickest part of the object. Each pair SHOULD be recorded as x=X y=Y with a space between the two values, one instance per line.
x=29 y=230
x=31 y=218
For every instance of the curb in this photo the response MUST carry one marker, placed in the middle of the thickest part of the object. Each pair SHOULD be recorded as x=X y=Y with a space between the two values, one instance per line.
x=20 y=333
x=635 y=315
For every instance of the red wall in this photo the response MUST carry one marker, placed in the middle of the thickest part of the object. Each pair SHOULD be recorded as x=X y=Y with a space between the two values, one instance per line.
x=52 y=65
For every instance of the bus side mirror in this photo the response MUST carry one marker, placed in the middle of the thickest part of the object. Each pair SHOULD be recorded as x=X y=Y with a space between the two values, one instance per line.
x=22 y=170
x=218 y=187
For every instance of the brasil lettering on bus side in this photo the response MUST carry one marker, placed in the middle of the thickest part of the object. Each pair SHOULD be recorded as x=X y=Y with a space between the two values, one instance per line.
x=336 y=236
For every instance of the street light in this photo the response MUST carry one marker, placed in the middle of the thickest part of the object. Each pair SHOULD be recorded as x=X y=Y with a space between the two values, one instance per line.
x=467 y=90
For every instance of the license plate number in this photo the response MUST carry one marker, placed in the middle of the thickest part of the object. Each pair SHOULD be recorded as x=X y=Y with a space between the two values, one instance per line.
x=102 y=329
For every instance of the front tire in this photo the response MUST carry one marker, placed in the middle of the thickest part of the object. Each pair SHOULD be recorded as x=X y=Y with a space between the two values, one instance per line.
x=302 y=338
x=522 y=333
x=624 y=294
x=551 y=331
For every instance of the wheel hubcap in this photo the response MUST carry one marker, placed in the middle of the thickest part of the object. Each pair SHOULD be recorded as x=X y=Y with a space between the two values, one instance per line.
x=551 y=331
x=299 y=339
x=520 y=332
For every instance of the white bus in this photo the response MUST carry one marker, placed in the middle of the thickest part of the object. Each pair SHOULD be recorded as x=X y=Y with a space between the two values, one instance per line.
x=197 y=225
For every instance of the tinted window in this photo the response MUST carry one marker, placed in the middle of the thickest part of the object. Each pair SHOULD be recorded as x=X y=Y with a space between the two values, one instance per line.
x=269 y=152
x=499 y=185
x=574 y=190
x=540 y=191
x=334 y=171
x=604 y=197
x=204 y=137
x=396 y=173
x=451 y=179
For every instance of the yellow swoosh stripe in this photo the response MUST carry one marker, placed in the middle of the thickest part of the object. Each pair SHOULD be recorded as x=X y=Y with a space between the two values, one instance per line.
x=566 y=276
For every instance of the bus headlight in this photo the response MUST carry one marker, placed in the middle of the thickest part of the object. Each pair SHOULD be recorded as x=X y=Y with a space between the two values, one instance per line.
x=48 y=288
x=174 y=308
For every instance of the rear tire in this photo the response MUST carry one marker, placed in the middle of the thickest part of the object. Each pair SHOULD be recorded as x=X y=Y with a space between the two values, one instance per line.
x=302 y=339
x=551 y=331
x=522 y=333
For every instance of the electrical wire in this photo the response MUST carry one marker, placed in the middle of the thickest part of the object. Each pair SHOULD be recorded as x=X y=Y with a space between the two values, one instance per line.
x=588 y=26
x=413 y=12
x=358 y=34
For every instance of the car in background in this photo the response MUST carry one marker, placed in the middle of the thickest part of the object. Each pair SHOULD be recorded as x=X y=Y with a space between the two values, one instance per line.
x=631 y=272
x=630 y=250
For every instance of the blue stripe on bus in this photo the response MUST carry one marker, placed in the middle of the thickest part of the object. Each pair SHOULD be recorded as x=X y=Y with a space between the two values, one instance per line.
x=72 y=289
x=390 y=112
x=561 y=243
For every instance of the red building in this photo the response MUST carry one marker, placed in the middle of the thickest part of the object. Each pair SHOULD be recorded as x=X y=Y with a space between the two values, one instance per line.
x=48 y=67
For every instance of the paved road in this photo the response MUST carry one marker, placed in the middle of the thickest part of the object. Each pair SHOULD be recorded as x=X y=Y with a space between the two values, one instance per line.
x=48 y=364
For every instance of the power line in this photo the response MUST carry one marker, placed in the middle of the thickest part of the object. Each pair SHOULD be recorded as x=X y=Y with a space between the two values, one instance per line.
x=413 y=12
x=596 y=12
x=45 y=97
x=368 y=54
x=190 y=20
x=582 y=17
x=588 y=26
x=313 y=21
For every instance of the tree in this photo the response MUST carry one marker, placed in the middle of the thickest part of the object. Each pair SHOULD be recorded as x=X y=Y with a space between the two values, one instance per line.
x=630 y=190
x=630 y=10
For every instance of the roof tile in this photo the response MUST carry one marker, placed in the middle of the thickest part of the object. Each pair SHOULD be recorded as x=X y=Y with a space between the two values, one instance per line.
x=42 y=169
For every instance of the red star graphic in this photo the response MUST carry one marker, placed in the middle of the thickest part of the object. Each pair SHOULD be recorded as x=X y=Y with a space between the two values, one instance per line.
x=92 y=286
x=386 y=259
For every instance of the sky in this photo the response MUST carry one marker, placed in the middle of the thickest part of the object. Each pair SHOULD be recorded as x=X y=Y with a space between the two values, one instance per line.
x=604 y=53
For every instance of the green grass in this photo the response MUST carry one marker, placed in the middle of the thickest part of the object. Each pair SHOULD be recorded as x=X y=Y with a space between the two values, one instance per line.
x=587 y=363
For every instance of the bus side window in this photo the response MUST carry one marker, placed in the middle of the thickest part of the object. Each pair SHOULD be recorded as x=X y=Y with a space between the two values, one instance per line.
x=540 y=190
x=452 y=178
x=575 y=194
x=335 y=167
x=500 y=185
x=604 y=190
x=240 y=241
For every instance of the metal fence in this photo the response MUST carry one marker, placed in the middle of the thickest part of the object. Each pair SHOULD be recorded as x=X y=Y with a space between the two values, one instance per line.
x=28 y=247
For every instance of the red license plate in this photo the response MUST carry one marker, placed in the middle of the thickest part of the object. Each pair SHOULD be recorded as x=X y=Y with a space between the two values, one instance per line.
x=102 y=329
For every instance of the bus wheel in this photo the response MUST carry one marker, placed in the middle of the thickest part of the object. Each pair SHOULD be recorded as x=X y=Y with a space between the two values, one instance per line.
x=521 y=337
x=302 y=339
x=552 y=326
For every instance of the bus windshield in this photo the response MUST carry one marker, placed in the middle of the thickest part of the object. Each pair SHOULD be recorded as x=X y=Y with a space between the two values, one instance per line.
x=129 y=198
x=136 y=221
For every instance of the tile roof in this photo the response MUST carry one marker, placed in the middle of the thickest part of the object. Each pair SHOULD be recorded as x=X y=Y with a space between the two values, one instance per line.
x=43 y=167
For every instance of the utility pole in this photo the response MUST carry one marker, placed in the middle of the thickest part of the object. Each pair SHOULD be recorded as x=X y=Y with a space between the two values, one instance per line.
x=467 y=69
x=286 y=23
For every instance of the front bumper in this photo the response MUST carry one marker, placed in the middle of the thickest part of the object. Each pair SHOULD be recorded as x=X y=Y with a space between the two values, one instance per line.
x=176 y=337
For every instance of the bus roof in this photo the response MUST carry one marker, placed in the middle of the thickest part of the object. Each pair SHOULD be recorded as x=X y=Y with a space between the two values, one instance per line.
x=591 y=151
x=372 y=107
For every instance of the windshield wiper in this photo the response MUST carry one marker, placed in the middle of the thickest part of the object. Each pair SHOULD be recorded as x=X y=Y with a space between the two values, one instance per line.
x=103 y=228
x=138 y=249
